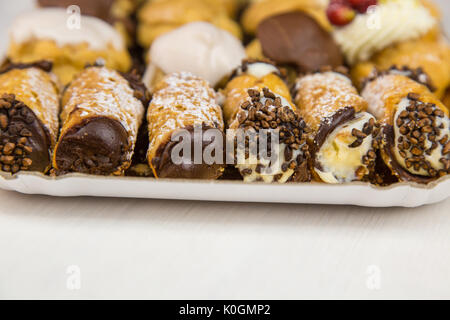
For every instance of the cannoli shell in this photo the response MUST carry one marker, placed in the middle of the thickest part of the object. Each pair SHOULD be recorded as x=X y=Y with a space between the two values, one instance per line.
x=236 y=93
x=386 y=92
x=181 y=101
x=321 y=95
x=103 y=95
x=30 y=95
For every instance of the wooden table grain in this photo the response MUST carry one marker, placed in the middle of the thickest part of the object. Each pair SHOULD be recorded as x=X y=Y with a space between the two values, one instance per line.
x=122 y=248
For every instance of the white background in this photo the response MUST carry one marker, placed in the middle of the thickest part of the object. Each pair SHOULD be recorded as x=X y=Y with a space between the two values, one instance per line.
x=192 y=250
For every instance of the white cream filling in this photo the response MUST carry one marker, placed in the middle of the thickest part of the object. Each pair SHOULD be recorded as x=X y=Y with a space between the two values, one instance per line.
x=269 y=169
x=198 y=47
x=340 y=162
x=436 y=154
x=261 y=69
x=391 y=22
x=55 y=24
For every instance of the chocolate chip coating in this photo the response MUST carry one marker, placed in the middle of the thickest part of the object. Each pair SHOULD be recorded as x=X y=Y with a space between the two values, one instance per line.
x=296 y=38
x=96 y=146
x=24 y=141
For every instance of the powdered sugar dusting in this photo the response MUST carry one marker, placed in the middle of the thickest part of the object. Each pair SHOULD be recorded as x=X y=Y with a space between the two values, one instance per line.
x=181 y=100
x=38 y=91
x=320 y=95
x=102 y=92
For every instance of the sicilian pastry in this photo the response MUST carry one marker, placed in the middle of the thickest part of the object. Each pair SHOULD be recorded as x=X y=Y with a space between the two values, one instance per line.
x=160 y=17
x=198 y=47
x=343 y=148
x=431 y=56
x=186 y=129
x=394 y=32
x=257 y=103
x=296 y=39
x=259 y=10
x=29 y=108
x=44 y=34
x=118 y=13
x=415 y=142
x=101 y=114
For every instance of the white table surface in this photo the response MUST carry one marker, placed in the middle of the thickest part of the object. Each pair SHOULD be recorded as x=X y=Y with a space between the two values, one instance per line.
x=191 y=250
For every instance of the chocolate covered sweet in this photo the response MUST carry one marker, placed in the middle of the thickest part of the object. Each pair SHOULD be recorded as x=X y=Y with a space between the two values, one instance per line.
x=101 y=115
x=297 y=39
x=29 y=107
x=184 y=107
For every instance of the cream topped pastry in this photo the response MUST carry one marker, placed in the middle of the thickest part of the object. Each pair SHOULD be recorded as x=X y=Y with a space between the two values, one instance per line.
x=54 y=24
x=71 y=42
x=390 y=22
x=200 y=48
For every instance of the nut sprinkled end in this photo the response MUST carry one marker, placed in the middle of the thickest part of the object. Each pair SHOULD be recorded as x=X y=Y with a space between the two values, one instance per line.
x=265 y=110
x=19 y=130
x=421 y=133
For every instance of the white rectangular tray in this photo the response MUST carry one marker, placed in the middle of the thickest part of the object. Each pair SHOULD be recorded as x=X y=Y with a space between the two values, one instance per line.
x=360 y=194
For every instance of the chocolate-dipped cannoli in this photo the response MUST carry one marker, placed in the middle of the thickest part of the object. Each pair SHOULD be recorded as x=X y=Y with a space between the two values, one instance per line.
x=415 y=142
x=101 y=115
x=184 y=107
x=343 y=146
x=29 y=108
x=258 y=99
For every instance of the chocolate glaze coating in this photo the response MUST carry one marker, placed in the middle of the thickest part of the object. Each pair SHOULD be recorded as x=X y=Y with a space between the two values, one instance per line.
x=165 y=168
x=25 y=135
x=296 y=38
x=44 y=65
x=96 y=146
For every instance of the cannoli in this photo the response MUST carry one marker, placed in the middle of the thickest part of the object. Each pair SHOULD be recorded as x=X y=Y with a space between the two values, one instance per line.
x=29 y=108
x=343 y=148
x=415 y=142
x=186 y=129
x=101 y=114
x=198 y=47
x=118 y=13
x=160 y=17
x=69 y=42
x=431 y=56
x=257 y=103
x=394 y=32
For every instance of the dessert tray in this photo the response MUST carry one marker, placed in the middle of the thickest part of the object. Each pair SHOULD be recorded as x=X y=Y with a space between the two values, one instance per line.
x=327 y=104
x=359 y=194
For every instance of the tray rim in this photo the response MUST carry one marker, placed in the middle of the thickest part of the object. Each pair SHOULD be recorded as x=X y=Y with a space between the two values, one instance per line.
x=409 y=195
